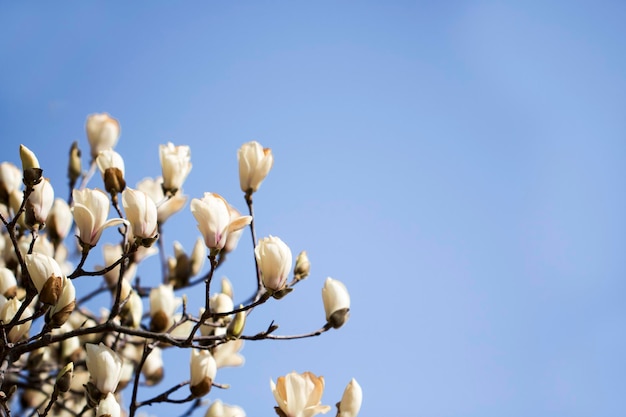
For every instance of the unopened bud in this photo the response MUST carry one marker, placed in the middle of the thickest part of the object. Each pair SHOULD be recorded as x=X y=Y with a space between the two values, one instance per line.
x=236 y=326
x=64 y=378
x=114 y=180
x=51 y=290
x=227 y=287
x=30 y=166
x=303 y=266
x=74 y=168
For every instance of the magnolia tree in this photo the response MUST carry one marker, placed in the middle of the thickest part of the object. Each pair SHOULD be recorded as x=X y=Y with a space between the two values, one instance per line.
x=58 y=356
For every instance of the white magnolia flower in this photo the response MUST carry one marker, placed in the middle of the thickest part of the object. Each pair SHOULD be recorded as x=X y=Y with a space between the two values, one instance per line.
x=103 y=131
x=214 y=220
x=104 y=366
x=351 y=400
x=59 y=220
x=219 y=409
x=108 y=407
x=8 y=283
x=165 y=206
x=142 y=215
x=299 y=395
x=8 y=310
x=39 y=203
x=10 y=180
x=41 y=268
x=91 y=209
x=274 y=259
x=203 y=370
x=152 y=368
x=254 y=165
x=163 y=304
x=175 y=165
x=336 y=302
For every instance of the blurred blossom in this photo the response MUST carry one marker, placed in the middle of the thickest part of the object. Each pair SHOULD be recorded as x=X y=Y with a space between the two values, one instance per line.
x=152 y=369
x=59 y=221
x=103 y=132
x=303 y=266
x=108 y=407
x=221 y=303
x=8 y=310
x=255 y=163
x=61 y=310
x=227 y=354
x=214 y=220
x=8 y=283
x=111 y=166
x=10 y=180
x=165 y=206
x=175 y=165
x=299 y=395
x=202 y=370
x=219 y=409
x=233 y=237
x=163 y=304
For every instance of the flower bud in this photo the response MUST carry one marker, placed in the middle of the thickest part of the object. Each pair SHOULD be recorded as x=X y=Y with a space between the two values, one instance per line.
x=219 y=409
x=175 y=165
x=10 y=180
x=351 y=400
x=203 y=370
x=39 y=204
x=163 y=304
x=255 y=163
x=74 y=167
x=109 y=407
x=336 y=302
x=61 y=310
x=220 y=303
x=274 y=259
x=104 y=366
x=303 y=266
x=152 y=369
x=236 y=326
x=141 y=212
x=8 y=283
x=103 y=131
x=198 y=256
x=30 y=167
x=59 y=221
x=46 y=275
x=111 y=165
x=64 y=378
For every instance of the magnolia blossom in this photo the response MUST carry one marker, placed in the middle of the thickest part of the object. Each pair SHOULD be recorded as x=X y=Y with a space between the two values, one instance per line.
x=227 y=354
x=221 y=303
x=8 y=283
x=39 y=203
x=215 y=221
x=104 y=366
x=219 y=409
x=254 y=165
x=274 y=259
x=111 y=166
x=233 y=237
x=351 y=400
x=103 y=131
x=8 y=310
x=336 y=302
x=109 y=407
x=91 y=209
x=61 y=310
x=152 y=368
x=10 y=180
x=142 y=215
x=46 y=275
x=299 y=395
x=59 y=220
x=165 y=206
x=163 y=304
x=175 y=164
x=29 y=160
x=203 y=370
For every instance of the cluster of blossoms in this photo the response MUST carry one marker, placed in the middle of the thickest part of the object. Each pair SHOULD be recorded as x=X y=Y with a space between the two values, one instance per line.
x=62 y=359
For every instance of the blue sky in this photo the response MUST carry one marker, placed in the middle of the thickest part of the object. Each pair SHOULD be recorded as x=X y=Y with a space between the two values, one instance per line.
x=458 y=165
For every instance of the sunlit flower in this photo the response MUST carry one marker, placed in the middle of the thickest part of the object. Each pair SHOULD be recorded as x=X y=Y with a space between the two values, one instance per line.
x=104 y=366
x=39 y=203
x=274 y=259
x=109 y=407
x=46 y=275
x=142 y=215
x=299 y=395
x=351 y=400
x=91 y=209
x=61 y=310
x=255 y=163
x=214 y=220
x=336 y=302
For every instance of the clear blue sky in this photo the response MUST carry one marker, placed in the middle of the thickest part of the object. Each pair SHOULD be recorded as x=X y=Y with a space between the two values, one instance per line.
x=459 y=166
